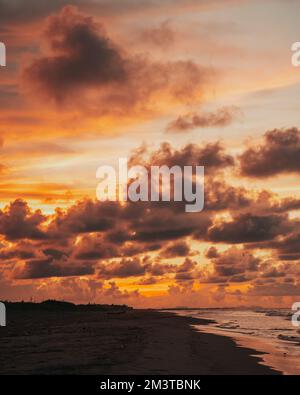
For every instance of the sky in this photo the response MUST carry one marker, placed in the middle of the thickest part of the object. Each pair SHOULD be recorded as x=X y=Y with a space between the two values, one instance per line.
x=179 y=82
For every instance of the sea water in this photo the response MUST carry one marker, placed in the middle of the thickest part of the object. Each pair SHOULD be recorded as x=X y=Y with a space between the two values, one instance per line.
x=269 y=331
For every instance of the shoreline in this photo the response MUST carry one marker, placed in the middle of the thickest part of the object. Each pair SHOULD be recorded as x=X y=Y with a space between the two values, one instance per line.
x=132 y=342
x=276 y=354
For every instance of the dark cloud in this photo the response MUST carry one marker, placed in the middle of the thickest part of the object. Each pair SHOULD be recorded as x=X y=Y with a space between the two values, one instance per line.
x=221 y=118
x=84 y=60
x=287 y=247
x=289 y=244
x=54 y=253
x=185 y=276
x=114 y=239
x=187 y=266
x=275 y=289
x=20 y=250
x=219 y=196
x=83 y=56
x=118 y=236
x=164 y=234
x=289 y=257
x=124 y=268
x=115 y=292
x=158 y=269
x=147 y=281
x=286 y=204
x=212 y=252
x=211 y=155
x=234 y=262
x=240 y=265
x=94 y=247
x=180 y=248
x=167 y=223
x=45 y=268
x=139 y=223
x=273 y=272
x=84 y=217
x=138 y=267
x=186 y=272
x=278 y=154
x=17 y=221
x=234 y=265
x=247 y=228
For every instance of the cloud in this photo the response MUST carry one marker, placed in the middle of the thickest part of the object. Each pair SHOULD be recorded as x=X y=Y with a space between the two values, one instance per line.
x=219 y=195
x=221 y=118
x=109 y=240
x=233 y=265
x=186 y=266
x=20 y=250
x=212 y=252
x=31 y=10
x=54 y=253
x=161 y=36
x=278 y=154
x=210 y=155
x=114 y=291
x=247 y=228
x=235 y=261
x=46 y=268
x=123 y=268
x=275 y=289
x=147 y=281
x=287 y=246
x=180 y=248
x=94 y=247
x=84 y=68
x=83 y=56
x=17 y=221
x=84 y=217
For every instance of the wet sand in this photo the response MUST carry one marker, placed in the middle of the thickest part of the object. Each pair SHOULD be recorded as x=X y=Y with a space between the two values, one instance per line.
x=133 y=342
x=277 y=354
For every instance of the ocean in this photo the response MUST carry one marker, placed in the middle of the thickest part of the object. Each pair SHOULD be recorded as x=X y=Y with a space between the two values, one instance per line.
x=269 y=331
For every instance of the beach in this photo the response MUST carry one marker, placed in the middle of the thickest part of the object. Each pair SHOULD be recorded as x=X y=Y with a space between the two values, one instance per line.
x=269 y=331
x=129 y=342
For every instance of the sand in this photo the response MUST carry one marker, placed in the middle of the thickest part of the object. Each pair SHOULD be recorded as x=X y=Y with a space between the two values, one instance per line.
x=277 y=354
x=133 y=342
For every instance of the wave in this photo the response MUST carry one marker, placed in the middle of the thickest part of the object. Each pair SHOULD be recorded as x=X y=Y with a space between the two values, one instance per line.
x=276 y=313
x=294 y=339
x=228 y=325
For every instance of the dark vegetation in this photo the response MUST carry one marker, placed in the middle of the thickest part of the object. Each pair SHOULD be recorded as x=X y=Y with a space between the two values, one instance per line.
x=56 y=305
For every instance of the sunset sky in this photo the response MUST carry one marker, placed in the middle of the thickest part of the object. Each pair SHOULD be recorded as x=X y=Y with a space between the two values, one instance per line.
x=186 y=82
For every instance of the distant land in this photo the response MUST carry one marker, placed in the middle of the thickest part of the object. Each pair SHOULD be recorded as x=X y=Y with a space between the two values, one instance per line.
x=58 y=305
